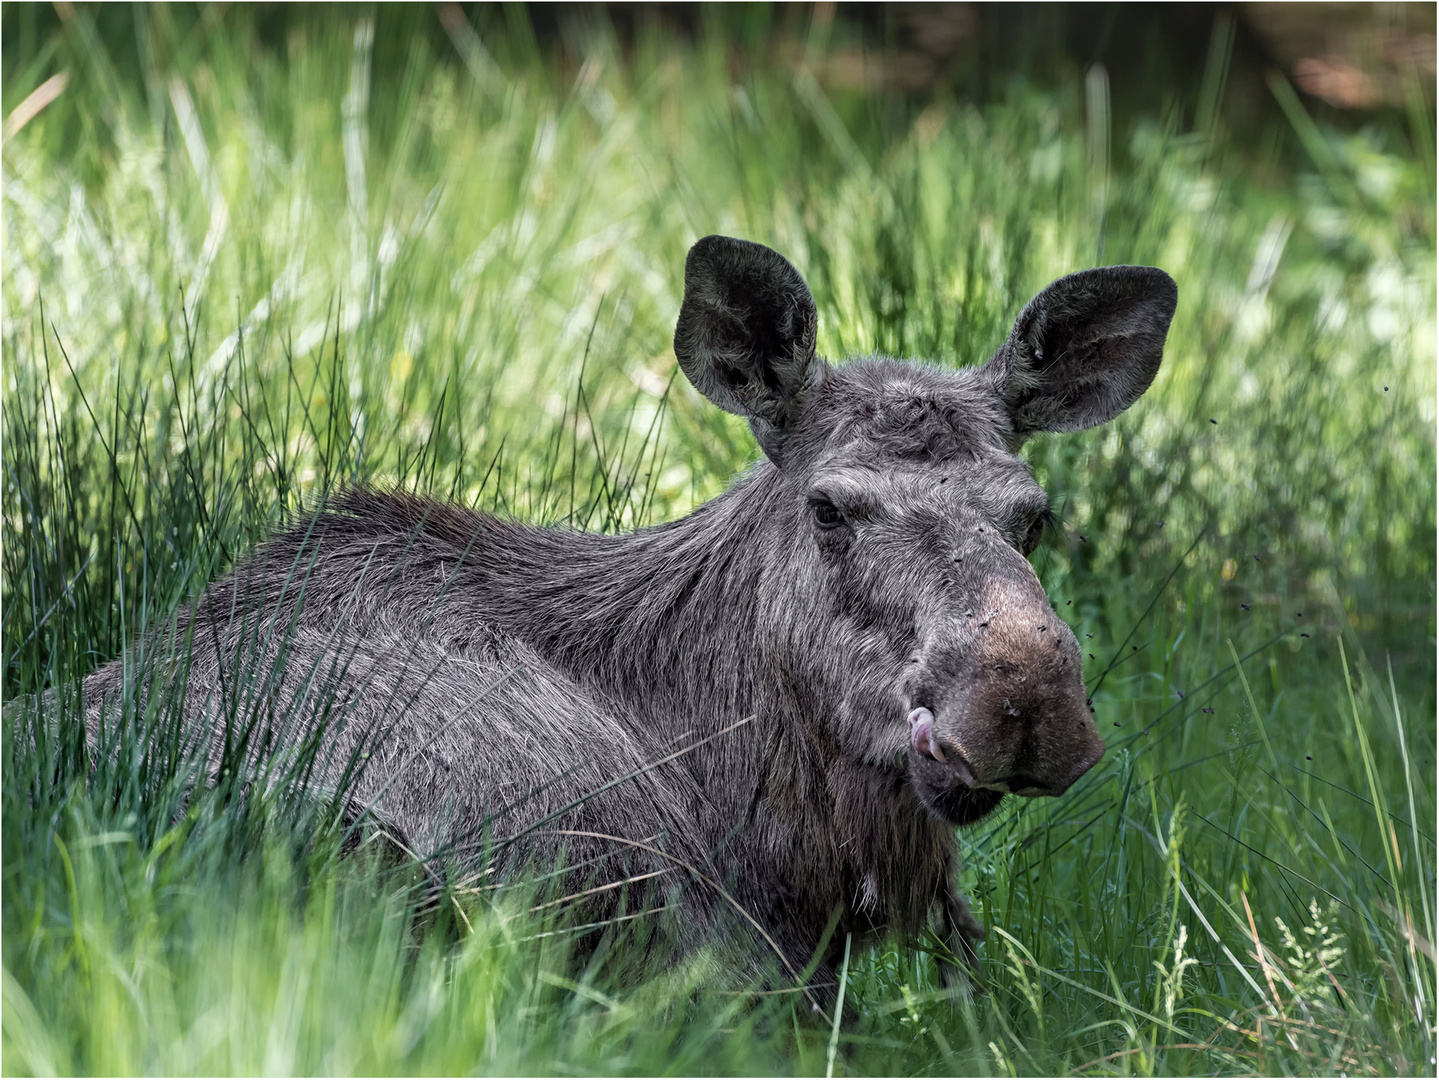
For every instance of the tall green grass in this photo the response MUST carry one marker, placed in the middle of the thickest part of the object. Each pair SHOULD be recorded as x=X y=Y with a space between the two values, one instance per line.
x=398 y=249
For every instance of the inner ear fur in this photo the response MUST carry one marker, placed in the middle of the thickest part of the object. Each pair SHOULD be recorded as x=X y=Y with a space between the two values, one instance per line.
x=746 y=335
x=1085 y=348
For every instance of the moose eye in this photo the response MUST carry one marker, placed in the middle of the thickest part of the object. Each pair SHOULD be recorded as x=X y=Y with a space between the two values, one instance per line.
x=1036 y=533
x=826 y=514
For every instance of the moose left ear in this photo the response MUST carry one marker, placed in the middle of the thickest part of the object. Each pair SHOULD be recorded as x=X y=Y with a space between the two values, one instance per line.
x=1084 y=349
x=746 y=336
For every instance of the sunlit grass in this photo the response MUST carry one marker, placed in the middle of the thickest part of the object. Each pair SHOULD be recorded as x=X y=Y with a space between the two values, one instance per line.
x=395 y=253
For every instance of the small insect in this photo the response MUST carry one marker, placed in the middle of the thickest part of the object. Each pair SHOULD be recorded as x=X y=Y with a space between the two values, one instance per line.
x=1144 y=732
x=1159 y=524
x=1116 y=723
x=1256 y=558
x=944 y=479
x=1209 y=710
x=1213 y=421
x=1134 y=648
x=1244 y=606
x=1308 y=758
x=1083 y=539
x=1386 y=389
x=1181 y=694
x=1303 y=635
x=1068 y=602
x=1088 y=635
x=1091 y=656
x=1299 y=614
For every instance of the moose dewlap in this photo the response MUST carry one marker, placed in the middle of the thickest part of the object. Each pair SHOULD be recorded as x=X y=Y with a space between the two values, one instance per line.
x=773 y=712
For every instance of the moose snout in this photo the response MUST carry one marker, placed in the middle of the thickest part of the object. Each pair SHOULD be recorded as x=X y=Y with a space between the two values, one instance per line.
x=1011 y=743
x=1010 y=713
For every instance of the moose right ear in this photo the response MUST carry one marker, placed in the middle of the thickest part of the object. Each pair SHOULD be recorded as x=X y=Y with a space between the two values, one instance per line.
x=1084 y=349
x=746 y=336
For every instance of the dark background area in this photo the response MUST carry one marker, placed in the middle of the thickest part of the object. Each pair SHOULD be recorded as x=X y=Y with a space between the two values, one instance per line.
x=1356 y=63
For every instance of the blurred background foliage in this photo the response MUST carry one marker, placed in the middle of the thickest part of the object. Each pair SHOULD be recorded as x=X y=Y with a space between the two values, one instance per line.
x=252 y=252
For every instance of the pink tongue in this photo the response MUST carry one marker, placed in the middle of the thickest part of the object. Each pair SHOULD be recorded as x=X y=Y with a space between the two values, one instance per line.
x=921 y=734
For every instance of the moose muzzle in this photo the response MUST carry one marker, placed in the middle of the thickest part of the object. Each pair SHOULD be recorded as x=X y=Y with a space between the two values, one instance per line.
x=1004 y=707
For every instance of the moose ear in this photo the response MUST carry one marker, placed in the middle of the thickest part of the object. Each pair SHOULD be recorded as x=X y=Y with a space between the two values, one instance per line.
x=746 y=333
x=1084 y=349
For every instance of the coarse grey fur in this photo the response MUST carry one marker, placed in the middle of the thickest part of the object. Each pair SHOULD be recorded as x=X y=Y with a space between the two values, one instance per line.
x=861 y=597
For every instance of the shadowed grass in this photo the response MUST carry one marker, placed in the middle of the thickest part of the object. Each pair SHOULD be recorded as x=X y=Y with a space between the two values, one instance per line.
x=405 y=252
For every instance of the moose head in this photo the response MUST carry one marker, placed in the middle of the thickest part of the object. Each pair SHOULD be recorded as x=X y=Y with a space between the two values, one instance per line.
x=898 y=591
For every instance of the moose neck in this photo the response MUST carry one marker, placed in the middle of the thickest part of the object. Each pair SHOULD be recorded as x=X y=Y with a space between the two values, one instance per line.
x=663 y=619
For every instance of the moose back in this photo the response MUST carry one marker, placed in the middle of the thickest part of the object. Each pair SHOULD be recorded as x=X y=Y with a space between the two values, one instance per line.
x=773 y=712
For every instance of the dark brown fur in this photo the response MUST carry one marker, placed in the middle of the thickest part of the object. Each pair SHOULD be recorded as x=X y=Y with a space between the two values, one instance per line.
x=503 y=676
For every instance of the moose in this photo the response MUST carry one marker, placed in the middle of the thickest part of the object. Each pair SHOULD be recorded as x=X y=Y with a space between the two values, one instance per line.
x=773 y=712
